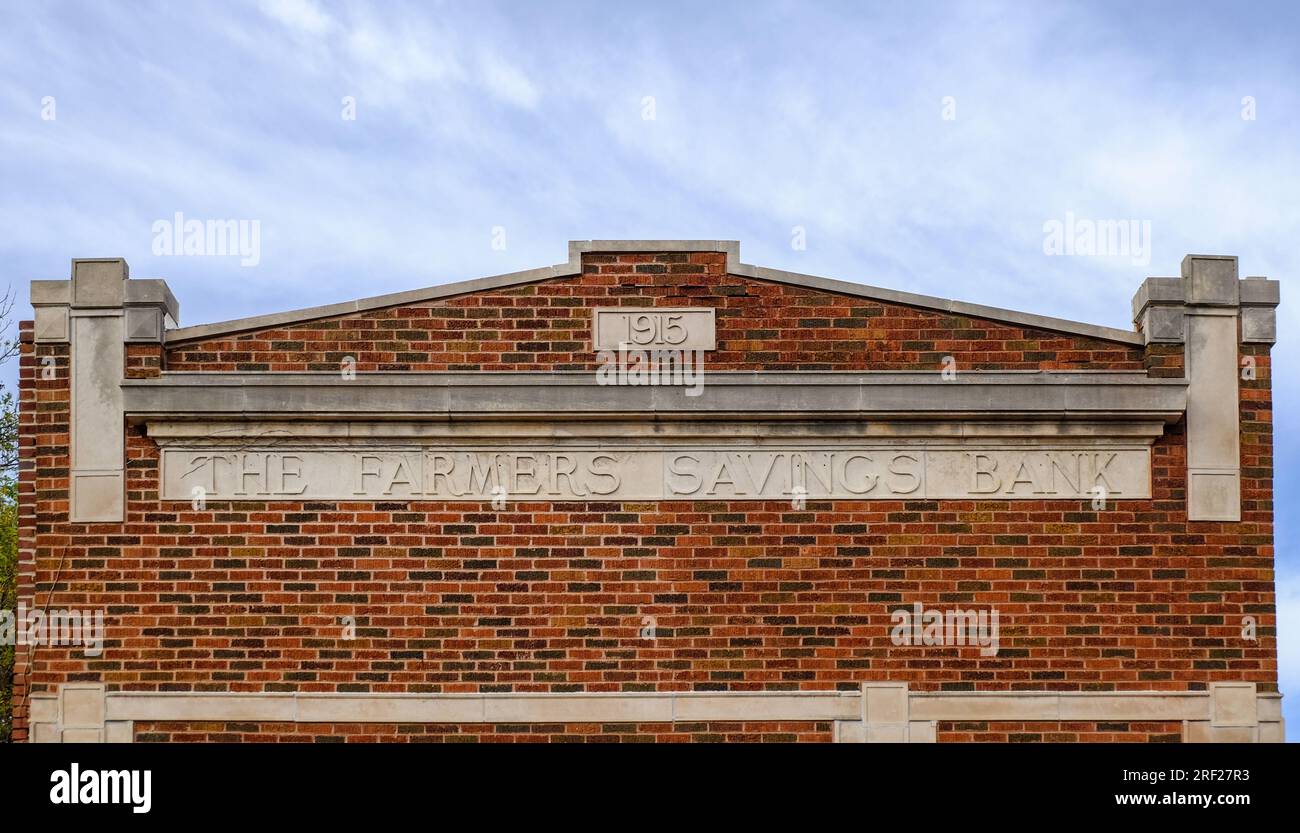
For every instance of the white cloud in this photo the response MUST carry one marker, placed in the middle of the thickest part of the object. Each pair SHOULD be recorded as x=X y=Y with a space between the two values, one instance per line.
x=397 y=58
x=508 y=83
x=412 y=56
x=302 y=15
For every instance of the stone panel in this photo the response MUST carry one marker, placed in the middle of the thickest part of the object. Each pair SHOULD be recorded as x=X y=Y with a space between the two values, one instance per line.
x=52 y=325
x=848 y=472
x=1213 y=441
x=651 y=328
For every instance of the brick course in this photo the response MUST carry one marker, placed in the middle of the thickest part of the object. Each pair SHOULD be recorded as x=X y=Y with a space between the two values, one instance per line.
x=952 y=731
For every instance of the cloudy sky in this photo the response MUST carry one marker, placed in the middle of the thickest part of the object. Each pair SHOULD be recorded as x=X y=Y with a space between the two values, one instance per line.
x=916 y=146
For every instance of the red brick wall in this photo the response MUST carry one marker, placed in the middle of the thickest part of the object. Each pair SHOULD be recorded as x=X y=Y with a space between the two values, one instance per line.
x=143 y=361
x=550 y=596
x=951 y=731
x=710 y=732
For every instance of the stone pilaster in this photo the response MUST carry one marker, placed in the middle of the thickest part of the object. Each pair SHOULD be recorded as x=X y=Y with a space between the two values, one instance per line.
x=1210 y=311
x=97 y=311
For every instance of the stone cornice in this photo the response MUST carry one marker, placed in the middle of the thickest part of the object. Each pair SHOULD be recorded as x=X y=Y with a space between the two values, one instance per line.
x=725 y=395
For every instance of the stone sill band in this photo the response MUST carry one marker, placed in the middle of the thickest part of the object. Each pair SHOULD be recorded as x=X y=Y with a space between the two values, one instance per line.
x=877 y=712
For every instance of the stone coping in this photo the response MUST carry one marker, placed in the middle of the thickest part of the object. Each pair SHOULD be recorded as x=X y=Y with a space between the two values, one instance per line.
x=574 y=267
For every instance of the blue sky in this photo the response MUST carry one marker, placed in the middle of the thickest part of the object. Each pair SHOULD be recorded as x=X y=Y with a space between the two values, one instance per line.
x=526 y=123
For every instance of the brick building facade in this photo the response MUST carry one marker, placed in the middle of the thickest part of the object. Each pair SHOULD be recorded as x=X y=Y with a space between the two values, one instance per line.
x=466 y=513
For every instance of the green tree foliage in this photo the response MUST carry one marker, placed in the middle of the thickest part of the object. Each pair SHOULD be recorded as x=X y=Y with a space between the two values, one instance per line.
x=8 y=591
x=8 y=520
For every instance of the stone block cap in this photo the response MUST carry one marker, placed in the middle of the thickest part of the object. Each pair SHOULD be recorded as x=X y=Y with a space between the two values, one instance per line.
x=98 y=282
x=1207 y=282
